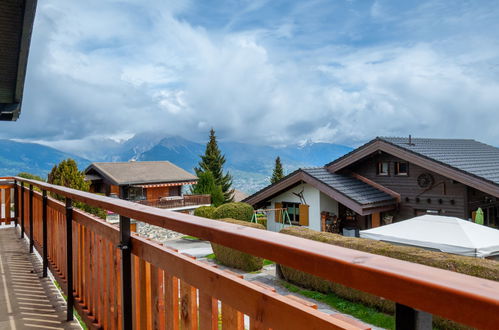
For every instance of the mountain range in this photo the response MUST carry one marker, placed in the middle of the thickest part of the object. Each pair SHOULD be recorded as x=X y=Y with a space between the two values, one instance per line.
x=251 y=165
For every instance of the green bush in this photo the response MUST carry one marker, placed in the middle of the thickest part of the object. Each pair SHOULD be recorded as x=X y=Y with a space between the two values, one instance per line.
x=235 y=258
x=488 y=269
x=238 y=210
x=205 y=211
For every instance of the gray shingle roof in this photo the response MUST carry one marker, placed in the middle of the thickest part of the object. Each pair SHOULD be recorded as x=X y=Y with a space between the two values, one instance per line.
x=469 y=156
x=355 y=189
x=142 y=172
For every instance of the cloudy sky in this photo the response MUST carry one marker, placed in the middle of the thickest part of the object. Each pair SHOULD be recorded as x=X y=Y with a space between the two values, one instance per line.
x=271 y=72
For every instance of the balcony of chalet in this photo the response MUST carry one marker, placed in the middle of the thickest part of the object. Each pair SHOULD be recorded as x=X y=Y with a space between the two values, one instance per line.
x=184 y=202
x=115 y=279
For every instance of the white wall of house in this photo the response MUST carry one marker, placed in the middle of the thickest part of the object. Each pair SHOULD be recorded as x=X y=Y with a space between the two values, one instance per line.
x=312 y=198
x=328 y=204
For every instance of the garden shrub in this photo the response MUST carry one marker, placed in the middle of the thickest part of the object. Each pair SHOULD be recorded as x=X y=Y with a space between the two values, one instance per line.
x=488 y=269
x=235 y=258
x=205 y=211
x=238 y=210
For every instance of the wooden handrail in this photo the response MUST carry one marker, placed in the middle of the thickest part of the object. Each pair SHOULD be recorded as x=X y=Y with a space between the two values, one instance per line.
x=462 y=298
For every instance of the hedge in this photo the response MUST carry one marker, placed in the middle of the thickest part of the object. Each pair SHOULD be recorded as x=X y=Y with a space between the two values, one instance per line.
x=205 y=211
x=238 y=210
x=488 y=269
x=235 y=258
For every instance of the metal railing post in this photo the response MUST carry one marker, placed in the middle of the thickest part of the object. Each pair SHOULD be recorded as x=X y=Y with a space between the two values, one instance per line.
x=31 y=231
x=408 y=318
x=16 y=204
x=69 y=258
x=22 y=209
x=44 y=233
x=126 y=272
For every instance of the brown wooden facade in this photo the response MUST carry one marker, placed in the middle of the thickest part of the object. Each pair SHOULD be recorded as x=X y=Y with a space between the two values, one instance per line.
x=444 y=197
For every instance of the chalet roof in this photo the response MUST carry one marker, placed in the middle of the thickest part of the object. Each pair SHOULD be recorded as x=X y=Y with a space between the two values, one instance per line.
x=355 y=189
x=16 y=24
x=470 y=162
x=351 y=192
x=127 y=173
x=470 y=156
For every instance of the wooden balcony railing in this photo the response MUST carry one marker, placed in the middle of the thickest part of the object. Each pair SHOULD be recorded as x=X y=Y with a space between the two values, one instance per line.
x=119 y=281
x=181 y=201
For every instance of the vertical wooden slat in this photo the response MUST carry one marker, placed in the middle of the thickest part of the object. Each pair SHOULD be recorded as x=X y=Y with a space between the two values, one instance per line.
x=171 y=301
x=188 y=307
x=208 y=311
x=135 y=292
x=99 y=290
x=117 y=268
x=110 y=283
x=232 y=319
x=157 y=298
x=142 y=294
x=148 y=288
x=7 y=206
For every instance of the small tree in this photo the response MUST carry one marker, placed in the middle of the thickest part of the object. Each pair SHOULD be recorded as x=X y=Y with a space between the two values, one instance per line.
x=67 y=174
x=30 y=176
x=213 y=161
x=278 y=172
x=207 y=185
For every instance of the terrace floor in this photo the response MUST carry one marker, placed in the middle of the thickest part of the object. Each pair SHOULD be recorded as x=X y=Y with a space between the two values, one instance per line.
x=27 y=301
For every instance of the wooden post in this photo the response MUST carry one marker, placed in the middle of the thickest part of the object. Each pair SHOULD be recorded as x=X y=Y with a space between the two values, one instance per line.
x=31 y=231
x=16 y=203
x=22 y=209
x=44 y=233
x=126 y=273
x=408 y=318
x=69 y=259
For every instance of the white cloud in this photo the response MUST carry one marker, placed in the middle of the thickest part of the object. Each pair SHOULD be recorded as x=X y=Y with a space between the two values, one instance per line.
x=118 y=68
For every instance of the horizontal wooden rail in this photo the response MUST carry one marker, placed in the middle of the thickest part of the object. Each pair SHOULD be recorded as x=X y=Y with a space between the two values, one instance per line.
x=465 y=299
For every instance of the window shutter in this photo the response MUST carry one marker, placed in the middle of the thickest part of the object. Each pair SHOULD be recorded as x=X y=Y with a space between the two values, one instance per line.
x=375 y=220
x=278 y=213
x=304 y=214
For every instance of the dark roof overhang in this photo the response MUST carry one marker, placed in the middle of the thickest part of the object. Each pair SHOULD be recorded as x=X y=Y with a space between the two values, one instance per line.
x=430 y=164
x=300 y=176
x=16 y=25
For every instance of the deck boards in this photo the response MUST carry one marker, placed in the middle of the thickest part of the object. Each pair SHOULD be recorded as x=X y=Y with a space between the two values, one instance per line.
x=27 y=301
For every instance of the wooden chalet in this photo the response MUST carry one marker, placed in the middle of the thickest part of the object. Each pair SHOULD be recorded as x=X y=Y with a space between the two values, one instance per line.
x=389 y=179
x=16 y=24
x=157 y=183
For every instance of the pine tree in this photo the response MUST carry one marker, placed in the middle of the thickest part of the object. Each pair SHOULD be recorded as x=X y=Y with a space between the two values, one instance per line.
x=67 y=174
x=213 y=161
x=278 y=172
x=206 y=185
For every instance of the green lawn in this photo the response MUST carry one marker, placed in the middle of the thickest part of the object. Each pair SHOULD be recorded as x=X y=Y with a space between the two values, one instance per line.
x=357 y=310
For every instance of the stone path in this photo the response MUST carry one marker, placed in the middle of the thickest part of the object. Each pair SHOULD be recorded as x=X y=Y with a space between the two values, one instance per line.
x=27 y=301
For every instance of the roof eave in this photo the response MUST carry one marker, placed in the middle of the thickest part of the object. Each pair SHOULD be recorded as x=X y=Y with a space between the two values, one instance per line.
x=380 y=144
x=12 y=111
x=300 y=175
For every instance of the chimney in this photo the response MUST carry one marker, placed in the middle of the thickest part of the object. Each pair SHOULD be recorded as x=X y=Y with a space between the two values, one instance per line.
x=410 y=141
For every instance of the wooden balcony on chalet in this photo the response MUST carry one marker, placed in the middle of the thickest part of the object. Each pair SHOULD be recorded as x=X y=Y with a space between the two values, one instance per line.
x=116 y=279
x=182 y=202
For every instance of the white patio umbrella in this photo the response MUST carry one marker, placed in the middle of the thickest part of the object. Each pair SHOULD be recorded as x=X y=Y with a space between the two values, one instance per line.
x=446 y=234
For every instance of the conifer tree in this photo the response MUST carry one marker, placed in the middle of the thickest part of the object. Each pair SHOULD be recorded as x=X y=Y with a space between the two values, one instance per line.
x=278 y=172
x=213 y=161
x=67 y=174
x=206 y=185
